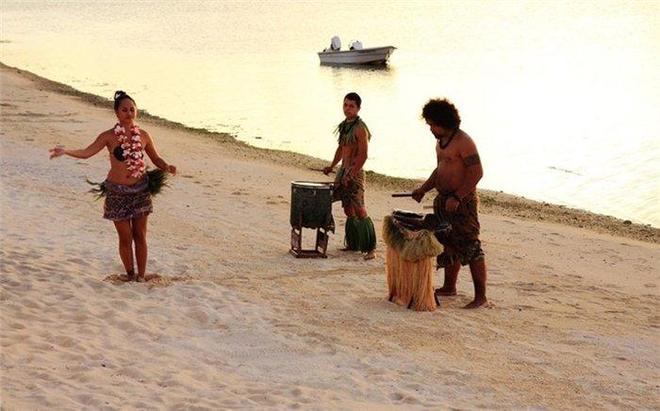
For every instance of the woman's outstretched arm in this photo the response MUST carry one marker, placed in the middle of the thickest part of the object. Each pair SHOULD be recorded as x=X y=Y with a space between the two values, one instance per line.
x=92 y=149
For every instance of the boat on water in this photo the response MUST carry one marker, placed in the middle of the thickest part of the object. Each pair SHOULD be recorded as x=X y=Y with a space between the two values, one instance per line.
x=356 y=54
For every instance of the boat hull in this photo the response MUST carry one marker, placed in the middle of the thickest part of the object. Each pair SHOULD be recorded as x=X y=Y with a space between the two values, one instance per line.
x=373 y=55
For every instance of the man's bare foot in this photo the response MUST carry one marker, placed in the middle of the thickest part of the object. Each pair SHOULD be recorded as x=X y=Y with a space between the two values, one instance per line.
x=370 y=255
x=445 y=292
x=140 y=278
x=477 y=303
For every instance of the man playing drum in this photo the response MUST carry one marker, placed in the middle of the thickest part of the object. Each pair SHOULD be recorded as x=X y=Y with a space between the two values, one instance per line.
x=353 y=140
x=456 y=177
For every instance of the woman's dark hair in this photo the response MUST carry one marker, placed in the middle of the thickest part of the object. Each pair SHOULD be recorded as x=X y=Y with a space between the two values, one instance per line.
x=442 y=113
x=354 y=97
x=121 y=95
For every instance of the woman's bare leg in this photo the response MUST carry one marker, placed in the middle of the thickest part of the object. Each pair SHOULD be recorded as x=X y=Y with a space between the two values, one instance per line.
x=125 y=234
x=140 y=239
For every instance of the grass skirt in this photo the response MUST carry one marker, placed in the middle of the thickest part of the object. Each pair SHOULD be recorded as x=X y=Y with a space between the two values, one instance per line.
x=157 y=180
x=409 y=265
x=360 y=234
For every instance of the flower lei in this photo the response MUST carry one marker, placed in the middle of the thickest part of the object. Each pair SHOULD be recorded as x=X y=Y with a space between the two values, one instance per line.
x=132 y=146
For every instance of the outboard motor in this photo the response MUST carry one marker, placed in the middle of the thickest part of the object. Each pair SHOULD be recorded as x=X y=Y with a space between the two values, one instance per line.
x=335 y=43
x=356 y=45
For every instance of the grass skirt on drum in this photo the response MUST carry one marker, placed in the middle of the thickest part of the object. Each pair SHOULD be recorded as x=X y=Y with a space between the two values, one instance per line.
x=410 y=265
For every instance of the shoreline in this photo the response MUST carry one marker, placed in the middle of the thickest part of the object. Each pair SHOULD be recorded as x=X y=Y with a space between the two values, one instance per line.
x=492 y=202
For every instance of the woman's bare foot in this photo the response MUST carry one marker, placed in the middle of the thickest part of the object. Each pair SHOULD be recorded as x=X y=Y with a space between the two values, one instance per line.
x=477 y=303
x=370 y=255
x=445 y=292
x=130 y=275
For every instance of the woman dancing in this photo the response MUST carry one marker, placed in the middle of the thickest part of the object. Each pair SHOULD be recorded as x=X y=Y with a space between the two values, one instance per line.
x=127 y=194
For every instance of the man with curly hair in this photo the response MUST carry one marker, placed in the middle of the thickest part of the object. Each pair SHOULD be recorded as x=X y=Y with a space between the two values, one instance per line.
x=455 y=178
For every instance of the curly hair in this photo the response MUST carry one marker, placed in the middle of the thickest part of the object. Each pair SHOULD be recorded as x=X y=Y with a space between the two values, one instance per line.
x=442 y=113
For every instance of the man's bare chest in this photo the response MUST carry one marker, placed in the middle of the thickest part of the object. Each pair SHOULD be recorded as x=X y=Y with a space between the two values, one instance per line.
x=448 y=156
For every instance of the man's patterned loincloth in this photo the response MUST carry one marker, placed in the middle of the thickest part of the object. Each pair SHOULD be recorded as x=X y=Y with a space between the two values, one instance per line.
x=352 y=194
x=462 y=243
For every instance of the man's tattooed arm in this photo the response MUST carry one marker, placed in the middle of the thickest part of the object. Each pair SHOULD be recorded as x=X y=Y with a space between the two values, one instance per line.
x=472 y=160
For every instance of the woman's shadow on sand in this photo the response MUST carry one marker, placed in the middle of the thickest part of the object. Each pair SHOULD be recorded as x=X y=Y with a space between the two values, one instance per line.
x=151 y=280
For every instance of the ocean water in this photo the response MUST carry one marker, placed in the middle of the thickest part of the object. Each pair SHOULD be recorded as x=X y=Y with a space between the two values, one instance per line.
x=561 y=97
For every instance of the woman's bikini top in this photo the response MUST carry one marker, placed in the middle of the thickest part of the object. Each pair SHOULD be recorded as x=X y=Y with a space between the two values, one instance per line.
x=118 y=152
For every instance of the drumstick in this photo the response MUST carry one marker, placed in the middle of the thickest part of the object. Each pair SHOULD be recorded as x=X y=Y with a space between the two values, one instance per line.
x=319 y=169
x=430 y=207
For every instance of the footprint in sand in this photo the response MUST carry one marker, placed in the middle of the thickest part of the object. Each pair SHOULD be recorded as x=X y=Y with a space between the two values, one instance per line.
x=78 y=261
x=276 y=200
x=397 y=396
x=151 y=280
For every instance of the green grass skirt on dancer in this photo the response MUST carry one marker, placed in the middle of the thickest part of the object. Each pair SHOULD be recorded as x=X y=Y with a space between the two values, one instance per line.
x=360 y=234
x=157 y=180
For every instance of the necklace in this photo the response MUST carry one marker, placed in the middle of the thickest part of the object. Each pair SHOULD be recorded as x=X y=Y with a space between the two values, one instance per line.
x=345 y=131
x=443 y=146
x=132 y=150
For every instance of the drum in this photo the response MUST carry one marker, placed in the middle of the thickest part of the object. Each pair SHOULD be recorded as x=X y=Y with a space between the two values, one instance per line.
x=412 y=242
x=416 y=221
x=311 y=207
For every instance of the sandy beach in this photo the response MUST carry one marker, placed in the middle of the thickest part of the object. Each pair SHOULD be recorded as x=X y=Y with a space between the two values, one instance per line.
x=236 y=322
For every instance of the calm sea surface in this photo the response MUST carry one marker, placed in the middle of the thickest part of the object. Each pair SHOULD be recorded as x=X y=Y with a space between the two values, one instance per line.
x=562 y=98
